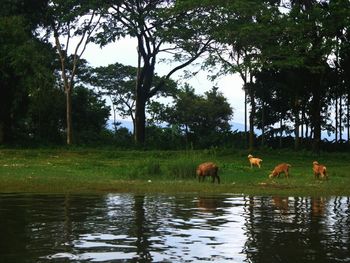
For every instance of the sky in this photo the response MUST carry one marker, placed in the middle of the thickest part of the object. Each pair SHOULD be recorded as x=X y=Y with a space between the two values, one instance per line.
x=124 y=51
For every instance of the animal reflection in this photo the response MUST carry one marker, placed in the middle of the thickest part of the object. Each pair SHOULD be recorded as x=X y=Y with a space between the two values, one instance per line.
x=212 y=205
x=281 y=203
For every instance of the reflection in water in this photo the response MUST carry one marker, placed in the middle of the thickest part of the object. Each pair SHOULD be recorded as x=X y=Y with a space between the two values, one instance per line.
x=183 y=228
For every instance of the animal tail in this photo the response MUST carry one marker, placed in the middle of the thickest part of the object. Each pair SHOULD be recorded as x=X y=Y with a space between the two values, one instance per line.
x=289 y=165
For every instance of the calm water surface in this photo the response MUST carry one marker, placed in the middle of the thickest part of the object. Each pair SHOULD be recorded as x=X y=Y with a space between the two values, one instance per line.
x=165 y=228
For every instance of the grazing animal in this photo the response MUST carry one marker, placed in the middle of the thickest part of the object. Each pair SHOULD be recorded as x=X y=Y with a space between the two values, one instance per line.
x=281 y=168
x=208 y=169
x=254 y=161
x=320 y=171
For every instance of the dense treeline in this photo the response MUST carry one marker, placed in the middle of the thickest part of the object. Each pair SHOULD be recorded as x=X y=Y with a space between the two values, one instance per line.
x=292 y=55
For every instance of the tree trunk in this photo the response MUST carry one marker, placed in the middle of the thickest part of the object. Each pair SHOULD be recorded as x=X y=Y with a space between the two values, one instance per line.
x=316 y=121
x=297 y=124
x=140 y=118
x=302 y=125
x=340 y=119
x=251 y=121
x=245 y=117
x=281 y=131
x=69 y=115
x=115 y=126
x=263 y=124
x=348 y=117
x=336 y=119
x=140 y=105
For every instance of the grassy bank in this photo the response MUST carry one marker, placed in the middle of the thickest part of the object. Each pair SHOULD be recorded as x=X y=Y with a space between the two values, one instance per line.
x=96 y=170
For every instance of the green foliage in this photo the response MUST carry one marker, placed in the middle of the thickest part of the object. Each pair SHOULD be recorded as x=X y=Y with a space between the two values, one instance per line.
x=90 y=115
x=46 y=115
x=293 y=56
x=203 y=119
x=118 y=82
x=25 y=67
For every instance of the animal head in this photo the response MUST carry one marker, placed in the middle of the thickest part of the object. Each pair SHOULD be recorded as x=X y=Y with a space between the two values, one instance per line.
x=250 y=156
x=315 y=163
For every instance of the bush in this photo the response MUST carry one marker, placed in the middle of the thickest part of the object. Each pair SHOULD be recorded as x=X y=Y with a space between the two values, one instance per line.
x=182 y=169
x=145 y=168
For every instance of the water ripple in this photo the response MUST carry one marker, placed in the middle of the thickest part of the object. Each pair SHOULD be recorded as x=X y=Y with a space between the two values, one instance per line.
x=185 y=228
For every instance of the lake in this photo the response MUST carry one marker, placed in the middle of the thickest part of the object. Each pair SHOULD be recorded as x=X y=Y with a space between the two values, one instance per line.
x=173 y=228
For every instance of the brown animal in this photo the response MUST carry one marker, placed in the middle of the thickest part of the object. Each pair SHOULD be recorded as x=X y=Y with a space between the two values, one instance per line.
x=281 y=168
x=320 y=171
x=208 y=169
x=254 y=161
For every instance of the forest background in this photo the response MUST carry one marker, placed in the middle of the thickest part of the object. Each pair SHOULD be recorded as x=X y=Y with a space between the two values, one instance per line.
x=293 y=58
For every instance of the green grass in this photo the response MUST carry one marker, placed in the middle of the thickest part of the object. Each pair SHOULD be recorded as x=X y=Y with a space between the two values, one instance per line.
x=96 y=170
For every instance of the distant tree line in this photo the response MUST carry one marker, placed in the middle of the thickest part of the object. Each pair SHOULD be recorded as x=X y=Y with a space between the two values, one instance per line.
x=293 y=57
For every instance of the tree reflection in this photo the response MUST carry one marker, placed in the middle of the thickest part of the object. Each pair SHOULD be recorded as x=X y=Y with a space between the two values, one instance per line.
x=141 y=231
x=183 y=228
x=281 y=229
x=14 y=228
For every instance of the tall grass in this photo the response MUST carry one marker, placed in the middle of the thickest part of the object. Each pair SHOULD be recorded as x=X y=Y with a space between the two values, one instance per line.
x=143 y=169
x=175 y=167
x=183 y=168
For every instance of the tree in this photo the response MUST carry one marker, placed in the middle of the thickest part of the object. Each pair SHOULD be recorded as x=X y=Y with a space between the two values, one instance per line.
x=25 y=64
x=117 y=81
x=337 y=28
x=90 y=114
x=202 y=118
x=309 y=53
x=68 y=22
x=46 y=118
x=158 y=28
x=242 y=28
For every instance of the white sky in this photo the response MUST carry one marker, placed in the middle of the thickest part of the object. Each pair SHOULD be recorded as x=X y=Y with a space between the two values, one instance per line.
x=124 y=51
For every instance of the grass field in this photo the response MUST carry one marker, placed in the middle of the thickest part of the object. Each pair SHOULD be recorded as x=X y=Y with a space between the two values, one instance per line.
x=106 y=170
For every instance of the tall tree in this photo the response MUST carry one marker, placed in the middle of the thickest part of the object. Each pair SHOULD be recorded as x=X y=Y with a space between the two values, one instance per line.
x=71 y=24
x=117 y=81
x=158 y=28
x=243 y=28
x=25 y=63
